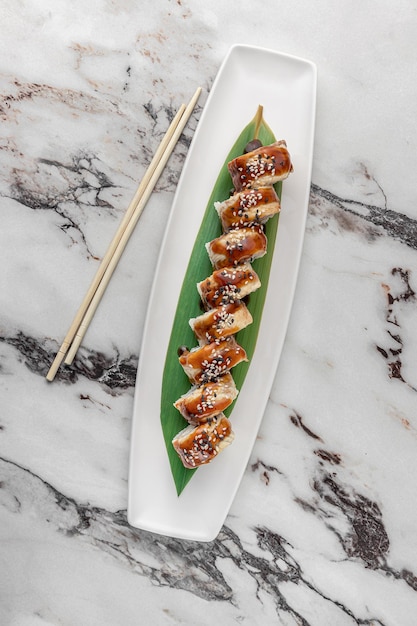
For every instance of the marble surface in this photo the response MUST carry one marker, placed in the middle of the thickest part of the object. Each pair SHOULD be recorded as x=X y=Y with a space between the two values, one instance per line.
x=323 y=529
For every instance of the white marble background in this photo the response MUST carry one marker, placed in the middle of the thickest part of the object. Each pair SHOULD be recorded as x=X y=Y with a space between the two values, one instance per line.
x=323 y=530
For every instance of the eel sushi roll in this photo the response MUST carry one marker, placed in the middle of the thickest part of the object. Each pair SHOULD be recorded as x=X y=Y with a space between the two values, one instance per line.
x=261 y=167
x=241 y=245
x=212 y=360
x=198 y=445
x=204 y=401
x=248 y=208
x=227 y=285
x=221 y=322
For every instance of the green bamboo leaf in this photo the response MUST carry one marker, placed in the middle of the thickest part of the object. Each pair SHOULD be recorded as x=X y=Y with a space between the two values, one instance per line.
x=175 y=382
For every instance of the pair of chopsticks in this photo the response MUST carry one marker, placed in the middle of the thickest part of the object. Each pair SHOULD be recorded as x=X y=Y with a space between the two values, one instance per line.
x=108 y=264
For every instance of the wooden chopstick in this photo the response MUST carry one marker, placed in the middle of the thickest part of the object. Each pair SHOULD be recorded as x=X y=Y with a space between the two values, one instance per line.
x=110 y=251
x=94 y=294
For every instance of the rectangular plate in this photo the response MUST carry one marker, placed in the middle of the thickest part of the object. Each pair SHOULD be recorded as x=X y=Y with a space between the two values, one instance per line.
x=286 y=87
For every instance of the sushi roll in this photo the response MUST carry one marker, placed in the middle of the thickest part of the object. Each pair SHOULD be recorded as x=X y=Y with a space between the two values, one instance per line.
x=247 y=208
x=209 y=362
x=201 y=444
x=242 y=216
x=237 y=246
x=221 y=322
x=227 y=285
x=206 y=400
x=264 y=166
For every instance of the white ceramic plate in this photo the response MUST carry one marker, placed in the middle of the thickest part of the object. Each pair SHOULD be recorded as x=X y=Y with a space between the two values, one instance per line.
x=286 y=87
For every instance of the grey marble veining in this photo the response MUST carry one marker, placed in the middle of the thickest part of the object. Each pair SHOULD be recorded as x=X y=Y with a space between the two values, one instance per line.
x=323 y=528
x=196 y=568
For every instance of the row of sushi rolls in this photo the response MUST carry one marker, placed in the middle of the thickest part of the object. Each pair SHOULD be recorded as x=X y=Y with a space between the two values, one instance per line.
x=243 y=215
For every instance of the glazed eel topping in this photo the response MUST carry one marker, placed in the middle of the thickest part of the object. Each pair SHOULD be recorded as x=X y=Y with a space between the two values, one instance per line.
x=208 y=365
